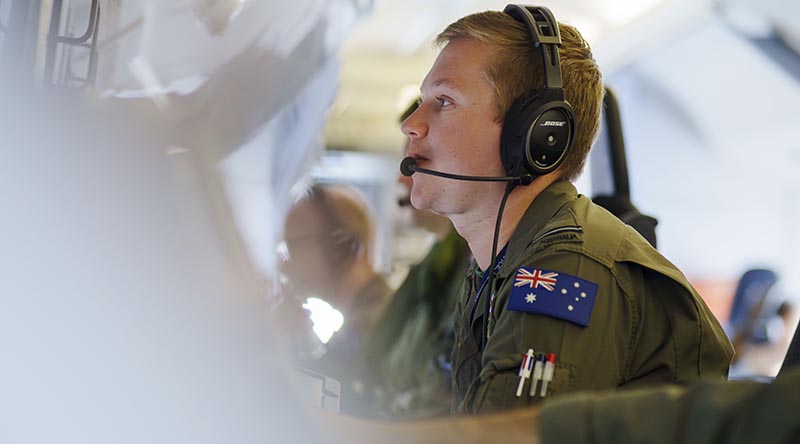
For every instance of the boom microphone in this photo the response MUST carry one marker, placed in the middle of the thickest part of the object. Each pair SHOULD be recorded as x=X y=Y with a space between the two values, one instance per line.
x=409 y=166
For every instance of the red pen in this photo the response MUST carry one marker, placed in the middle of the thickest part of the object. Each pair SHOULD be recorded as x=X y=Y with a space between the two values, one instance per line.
x=549 y=369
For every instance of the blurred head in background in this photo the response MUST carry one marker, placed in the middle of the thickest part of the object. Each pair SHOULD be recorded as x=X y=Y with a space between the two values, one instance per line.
x=329 y=234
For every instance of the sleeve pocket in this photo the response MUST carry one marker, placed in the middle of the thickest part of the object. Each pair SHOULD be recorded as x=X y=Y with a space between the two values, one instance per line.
x=499 y=380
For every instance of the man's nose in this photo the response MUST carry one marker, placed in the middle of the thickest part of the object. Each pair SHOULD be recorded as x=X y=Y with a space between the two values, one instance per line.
x=414 y=126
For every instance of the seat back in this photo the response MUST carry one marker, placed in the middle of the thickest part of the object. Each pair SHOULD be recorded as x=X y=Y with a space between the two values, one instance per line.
x=610 y=173
x=792 y=358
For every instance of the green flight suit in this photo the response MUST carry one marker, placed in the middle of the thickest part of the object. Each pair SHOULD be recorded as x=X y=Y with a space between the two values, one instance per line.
x=648 y=324
x=415 y=333
x=725 y=413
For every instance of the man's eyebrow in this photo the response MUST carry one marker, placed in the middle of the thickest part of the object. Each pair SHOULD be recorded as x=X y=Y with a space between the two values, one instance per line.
x=445 y=81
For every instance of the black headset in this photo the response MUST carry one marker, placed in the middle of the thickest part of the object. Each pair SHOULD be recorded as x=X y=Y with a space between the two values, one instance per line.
x=341 y=244
x=539 y=128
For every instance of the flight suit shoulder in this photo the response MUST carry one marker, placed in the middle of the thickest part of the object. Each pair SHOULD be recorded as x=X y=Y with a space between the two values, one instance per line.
x=563 y=228
x=584 y=228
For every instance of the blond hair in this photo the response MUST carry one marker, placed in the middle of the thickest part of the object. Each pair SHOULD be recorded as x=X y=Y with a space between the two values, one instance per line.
x=515 y=69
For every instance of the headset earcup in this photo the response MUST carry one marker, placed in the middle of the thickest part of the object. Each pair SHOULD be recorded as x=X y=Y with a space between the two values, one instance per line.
x=550 y=135
x=536 y=136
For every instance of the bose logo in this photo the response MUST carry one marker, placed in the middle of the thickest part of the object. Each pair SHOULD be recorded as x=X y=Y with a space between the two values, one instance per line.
x=553 y=123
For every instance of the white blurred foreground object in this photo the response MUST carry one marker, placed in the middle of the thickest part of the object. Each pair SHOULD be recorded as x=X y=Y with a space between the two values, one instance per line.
x=130 y=313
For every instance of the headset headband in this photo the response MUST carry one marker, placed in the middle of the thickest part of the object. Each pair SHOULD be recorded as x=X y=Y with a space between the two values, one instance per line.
x=544 y=32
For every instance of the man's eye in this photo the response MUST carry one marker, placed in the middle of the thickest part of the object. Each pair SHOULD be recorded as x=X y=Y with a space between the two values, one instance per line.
x=443 y=102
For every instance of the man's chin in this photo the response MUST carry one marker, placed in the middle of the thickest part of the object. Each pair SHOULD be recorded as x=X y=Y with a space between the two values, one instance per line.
x=419 y=202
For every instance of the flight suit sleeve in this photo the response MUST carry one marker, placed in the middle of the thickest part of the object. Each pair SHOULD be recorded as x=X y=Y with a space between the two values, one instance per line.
x=729 y=413
x=587 y=357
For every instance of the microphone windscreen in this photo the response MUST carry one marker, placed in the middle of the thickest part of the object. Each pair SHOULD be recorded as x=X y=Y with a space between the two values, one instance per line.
x=407 y=166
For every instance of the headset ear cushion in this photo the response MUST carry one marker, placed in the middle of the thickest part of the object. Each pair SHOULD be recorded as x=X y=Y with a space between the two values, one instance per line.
x=514 y=134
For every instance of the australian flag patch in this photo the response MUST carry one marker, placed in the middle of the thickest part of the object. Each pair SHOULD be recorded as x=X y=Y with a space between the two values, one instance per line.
x=553 y=294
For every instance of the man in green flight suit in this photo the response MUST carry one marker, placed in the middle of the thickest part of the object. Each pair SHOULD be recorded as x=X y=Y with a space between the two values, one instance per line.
x=572 y=283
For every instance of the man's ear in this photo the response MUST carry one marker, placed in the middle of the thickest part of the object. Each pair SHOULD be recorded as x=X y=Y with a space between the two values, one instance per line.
x=343 y=248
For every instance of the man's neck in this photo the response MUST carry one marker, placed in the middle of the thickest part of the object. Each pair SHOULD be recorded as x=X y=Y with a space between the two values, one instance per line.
x=478 y=229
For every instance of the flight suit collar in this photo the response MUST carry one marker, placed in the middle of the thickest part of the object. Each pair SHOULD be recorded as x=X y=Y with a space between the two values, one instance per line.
x=543 y=208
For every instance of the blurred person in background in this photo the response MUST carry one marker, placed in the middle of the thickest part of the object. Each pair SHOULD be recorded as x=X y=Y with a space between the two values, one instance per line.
x=328 y=234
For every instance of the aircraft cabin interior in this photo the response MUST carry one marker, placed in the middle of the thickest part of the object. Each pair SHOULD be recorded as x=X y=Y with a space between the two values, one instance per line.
x=239 y=221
